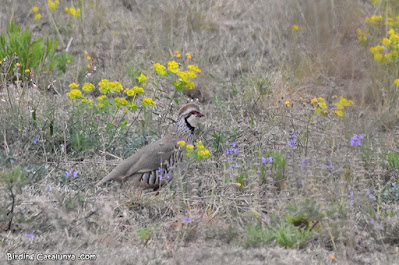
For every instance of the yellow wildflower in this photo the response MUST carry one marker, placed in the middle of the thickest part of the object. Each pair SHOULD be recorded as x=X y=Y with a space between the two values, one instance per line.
x=88 y=57
x=142 y=78
x=27 y=71
x=373 y=19
x=194 y=68
x=75 y=93
x=88 y=87
x=378 y=57
x=386 y=42
x=183 y=76
x=189 y=56
x=238 y=184
x=34 y=9
x=73 y=85
x=176 y=52
x=181 y=143
x=138 y=90
x=126 y=110
x=160 y=69
x=190 y=85
x=129 y=92
x=391 y=31
x=396 y=82
x=295 y=27
x=101 y=97
x=37 y=16
x=376 y=49
x=191 y=74
x=189 y=147
x=178 y=55
x=53 y=5
x=88 y=66
x=339 y=113
x=173 y=67
x=287 y=103
x=147 y=102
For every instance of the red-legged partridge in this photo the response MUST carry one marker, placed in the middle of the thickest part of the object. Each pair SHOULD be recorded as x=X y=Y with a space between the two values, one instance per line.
x=149 y=167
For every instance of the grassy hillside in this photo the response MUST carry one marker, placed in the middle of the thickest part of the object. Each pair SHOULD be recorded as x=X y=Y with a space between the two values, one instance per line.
x=301 y=114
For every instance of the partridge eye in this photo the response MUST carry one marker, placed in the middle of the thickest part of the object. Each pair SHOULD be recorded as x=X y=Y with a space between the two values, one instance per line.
x=194 y=112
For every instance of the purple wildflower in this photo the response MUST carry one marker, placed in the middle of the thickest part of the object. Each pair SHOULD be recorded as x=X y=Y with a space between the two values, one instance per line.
x=29 y=235
x=75 y=174
x=167 y=175
x=264 y=160
x=187 y=220
x=270 y=159
x=372 y=220
x=233 y=144
x=49 y=189
x=160 y=177
x=68 y=173
x=34 y=140
x=371 y=196
x=352 y=193
x=351 y=202
x=349 y=187
x=356 y=140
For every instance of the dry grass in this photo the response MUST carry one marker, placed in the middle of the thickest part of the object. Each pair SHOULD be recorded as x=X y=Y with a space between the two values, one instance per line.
x=252 y=61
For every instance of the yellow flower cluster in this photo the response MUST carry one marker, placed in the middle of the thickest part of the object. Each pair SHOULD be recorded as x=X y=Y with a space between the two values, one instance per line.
x=120 y=102
x=184 y=77
x=74 y=94
x=200 y=153
x=142 y=78
x=106 y=86
x=181 y=143
x=38 y=16
x=34 y=9
x=390 y=51
x=320 y=105
x=72 y=11
x=53 y=5
x=361 y=36
x=160 y=69
x=173 y=67
x=88 y=87
x=373 y=20
x=341 y=104
x=147 y=102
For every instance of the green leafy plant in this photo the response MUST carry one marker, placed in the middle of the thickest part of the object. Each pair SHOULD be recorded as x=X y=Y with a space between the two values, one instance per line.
x=393 y=160
x=258 y=236
x=22 y=51
x=290 y=236
x=144 y=233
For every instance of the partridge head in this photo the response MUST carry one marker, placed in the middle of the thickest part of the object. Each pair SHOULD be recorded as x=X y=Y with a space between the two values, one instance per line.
x=150 y=166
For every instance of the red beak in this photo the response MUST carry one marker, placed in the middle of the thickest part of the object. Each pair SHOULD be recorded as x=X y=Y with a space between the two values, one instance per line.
x=199 y=114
